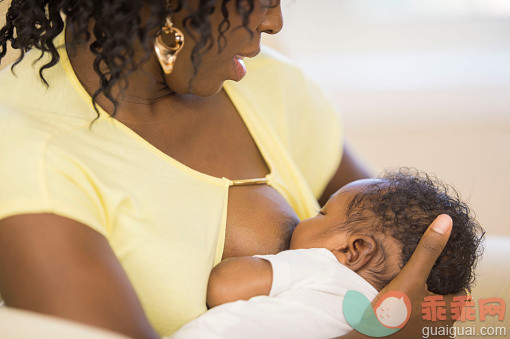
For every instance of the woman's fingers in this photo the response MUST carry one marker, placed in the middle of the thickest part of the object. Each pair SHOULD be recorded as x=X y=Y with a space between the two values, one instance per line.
x=432 y=243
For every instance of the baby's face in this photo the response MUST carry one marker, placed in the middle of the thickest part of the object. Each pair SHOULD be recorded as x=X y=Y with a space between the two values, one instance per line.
x=318 y=232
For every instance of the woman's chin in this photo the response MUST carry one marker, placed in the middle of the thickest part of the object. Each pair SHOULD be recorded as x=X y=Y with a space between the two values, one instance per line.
x=200 y=86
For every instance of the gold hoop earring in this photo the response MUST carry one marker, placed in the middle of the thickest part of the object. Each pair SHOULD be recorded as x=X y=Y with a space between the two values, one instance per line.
x=169 y=42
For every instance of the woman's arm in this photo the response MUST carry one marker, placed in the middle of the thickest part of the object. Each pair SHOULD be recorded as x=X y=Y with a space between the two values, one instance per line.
x=58 y=266
x=351 y=168
x=239 y=279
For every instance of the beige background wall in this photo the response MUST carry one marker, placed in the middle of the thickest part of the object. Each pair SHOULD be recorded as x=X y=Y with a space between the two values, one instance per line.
x=417 y=85
x=421 y=83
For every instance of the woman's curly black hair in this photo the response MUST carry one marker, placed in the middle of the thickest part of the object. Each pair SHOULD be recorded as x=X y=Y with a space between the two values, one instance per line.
x=402 y=205
x=118 y=26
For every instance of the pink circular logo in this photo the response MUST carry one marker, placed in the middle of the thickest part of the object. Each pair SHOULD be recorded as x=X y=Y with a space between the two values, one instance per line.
x=393 y=309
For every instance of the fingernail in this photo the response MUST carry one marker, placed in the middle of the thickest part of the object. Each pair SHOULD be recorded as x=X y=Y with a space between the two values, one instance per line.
x=442 y=227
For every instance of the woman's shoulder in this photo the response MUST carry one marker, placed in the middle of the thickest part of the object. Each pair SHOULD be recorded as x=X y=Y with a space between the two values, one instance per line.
x=29 y=129
x=39 y=172
x=275 y=79
x=24 y=127
x=22 y=87
x=277 y=67
x=31 y=140
x=32 y=113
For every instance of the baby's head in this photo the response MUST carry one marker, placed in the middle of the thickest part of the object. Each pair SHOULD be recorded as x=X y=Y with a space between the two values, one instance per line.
x=373 y=227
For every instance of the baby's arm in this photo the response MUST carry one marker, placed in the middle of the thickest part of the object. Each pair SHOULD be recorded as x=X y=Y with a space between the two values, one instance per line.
x=239 y=278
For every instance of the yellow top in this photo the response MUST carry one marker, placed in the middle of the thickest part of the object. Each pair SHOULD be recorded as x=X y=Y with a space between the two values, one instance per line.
x=164 y=220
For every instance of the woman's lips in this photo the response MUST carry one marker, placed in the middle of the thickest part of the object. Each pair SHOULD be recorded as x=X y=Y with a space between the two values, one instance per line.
x=239 y=67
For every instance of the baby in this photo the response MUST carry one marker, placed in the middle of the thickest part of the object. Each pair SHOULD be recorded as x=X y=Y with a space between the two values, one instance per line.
x=359 y=241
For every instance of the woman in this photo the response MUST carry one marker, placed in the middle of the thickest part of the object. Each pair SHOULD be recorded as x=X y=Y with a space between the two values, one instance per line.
x=117 y=222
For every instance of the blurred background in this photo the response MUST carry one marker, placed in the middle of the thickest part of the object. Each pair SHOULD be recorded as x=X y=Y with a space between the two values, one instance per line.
x=420 y=83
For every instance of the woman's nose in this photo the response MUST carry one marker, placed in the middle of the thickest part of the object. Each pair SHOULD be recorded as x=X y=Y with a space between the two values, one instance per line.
x=273 y=21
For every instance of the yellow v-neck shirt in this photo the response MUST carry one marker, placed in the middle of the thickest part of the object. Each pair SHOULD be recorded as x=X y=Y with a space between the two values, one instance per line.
x=164 y=221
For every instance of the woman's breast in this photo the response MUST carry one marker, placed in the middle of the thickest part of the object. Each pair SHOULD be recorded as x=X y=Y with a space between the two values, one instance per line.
x=259 y=221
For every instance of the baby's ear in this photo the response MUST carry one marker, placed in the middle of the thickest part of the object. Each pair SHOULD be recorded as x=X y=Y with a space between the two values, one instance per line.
x=356 y=251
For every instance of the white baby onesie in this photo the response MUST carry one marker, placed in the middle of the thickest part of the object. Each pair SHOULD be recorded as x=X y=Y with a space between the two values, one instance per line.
x=305 y=301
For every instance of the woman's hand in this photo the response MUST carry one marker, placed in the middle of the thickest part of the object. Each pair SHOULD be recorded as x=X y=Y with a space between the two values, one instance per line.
x=413 y=277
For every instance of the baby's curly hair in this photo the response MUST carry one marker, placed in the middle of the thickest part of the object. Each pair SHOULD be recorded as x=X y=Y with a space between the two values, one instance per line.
x=402 y=204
